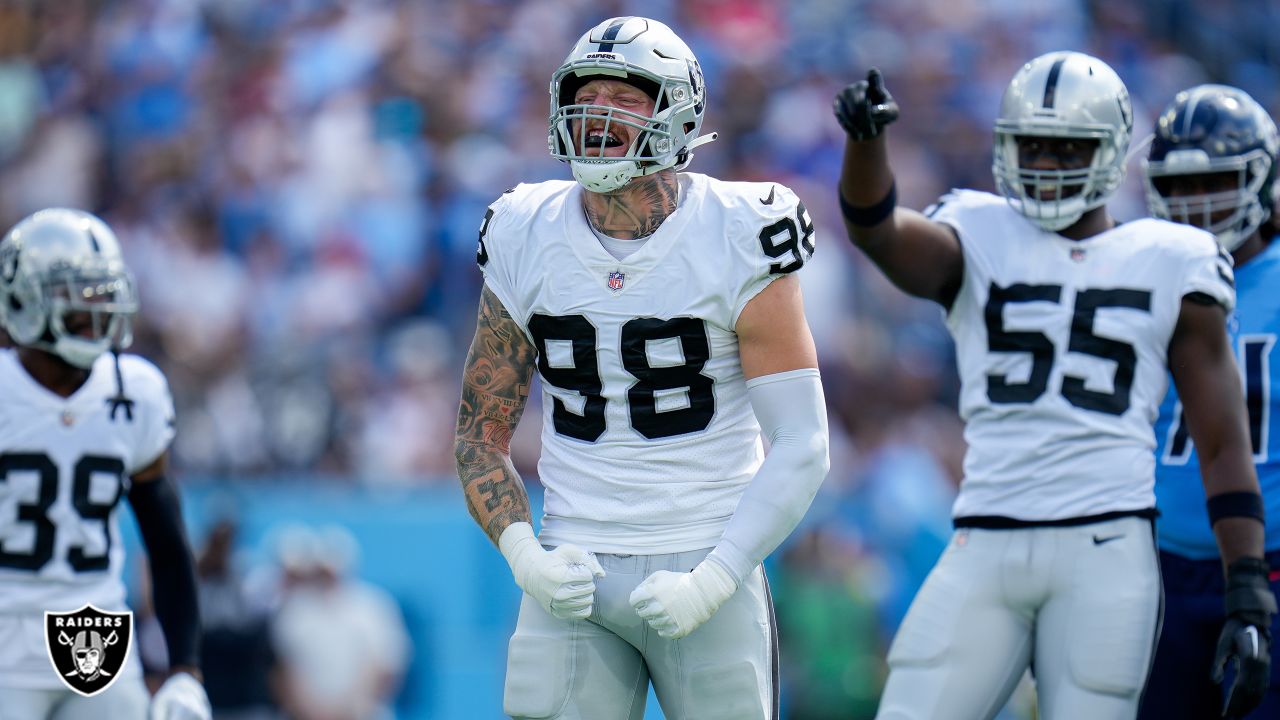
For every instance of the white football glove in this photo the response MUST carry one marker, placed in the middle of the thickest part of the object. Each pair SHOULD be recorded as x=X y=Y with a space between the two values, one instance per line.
x=677 y=603
x=562 y=581
x=181 y=697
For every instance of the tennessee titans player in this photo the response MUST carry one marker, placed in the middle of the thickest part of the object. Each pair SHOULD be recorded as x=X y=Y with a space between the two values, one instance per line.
x=1212 y=164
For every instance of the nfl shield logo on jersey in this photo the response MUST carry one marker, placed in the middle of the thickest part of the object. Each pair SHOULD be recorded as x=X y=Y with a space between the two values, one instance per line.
x=88 y=646
x=615 y=280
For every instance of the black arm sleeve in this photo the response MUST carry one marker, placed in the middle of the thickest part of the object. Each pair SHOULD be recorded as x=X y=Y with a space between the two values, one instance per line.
x=173 y=575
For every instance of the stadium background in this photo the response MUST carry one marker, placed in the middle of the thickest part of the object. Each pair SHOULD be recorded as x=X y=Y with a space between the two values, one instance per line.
x=298 y=185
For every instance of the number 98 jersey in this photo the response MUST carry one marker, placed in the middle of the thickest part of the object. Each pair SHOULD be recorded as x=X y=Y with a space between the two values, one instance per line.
x=648 y=438
x=1062 y=351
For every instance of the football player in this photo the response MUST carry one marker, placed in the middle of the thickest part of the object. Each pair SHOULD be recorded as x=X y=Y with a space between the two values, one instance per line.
x=1212 y=164
x=663 y=314
x=1066 y=325
x=82 y=426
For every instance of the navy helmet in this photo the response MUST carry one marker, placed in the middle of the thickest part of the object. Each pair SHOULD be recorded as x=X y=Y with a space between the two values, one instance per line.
x=1210 y=130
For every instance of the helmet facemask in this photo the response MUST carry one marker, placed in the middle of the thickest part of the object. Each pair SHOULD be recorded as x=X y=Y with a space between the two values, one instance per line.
x=1056 y=199
x=1233 y=214
x=77 y=312
x=654 y=141
x=91 y=311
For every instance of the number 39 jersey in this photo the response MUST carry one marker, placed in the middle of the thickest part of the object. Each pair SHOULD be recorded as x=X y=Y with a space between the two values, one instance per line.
x=648 y=437
x=65 y=464
x=1062 y=352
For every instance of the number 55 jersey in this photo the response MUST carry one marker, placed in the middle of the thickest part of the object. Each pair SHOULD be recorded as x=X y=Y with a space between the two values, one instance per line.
x=1062 y=352
x=65 y=465
x=648 y=438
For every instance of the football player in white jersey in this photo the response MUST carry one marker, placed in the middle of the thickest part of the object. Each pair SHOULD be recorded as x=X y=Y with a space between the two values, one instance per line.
x=1066 y=324
x=81 y=426
x=662 y=313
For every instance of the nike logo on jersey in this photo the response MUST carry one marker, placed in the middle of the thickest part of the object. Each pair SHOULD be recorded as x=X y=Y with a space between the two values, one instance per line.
x=1104 y=540
x=769 y=200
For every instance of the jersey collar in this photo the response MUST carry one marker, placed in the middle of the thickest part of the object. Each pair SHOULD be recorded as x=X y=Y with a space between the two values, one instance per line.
x=27 y=387
x=597 y=260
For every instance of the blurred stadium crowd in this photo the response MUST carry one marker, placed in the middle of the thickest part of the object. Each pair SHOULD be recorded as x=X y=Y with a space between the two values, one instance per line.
x=298 y=186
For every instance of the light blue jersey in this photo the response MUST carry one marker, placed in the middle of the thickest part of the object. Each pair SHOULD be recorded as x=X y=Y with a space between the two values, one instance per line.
x=1254 y=326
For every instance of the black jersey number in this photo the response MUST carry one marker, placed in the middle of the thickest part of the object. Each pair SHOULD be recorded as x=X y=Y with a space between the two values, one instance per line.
x=1082 y=340
x=583 y=377
x=1255 y=366
x=787 y=238
x=36 y=511
x=482 y=253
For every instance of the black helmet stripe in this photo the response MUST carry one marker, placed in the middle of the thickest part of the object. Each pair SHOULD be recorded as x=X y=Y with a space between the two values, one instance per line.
x=1051 y=85
x=93 y=241
x=611 y=33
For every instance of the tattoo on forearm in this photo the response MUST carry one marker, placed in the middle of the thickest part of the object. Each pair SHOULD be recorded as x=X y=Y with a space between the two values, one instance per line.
x=637 y=209
x=495 y=387
x=497 y=493
x=497 y=499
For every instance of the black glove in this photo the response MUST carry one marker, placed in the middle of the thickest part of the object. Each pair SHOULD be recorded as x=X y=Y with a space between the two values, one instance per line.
x=865 y=107
x=1246 y=636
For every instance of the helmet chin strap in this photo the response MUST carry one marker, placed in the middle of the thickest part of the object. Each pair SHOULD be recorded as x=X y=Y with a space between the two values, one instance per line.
x=1060 y=222
x=78 y=351
x=1245 y=221
x=1051 y=216
x=602 y=176
x=1241 y=230
x=1055 y=224
x=1231 y=241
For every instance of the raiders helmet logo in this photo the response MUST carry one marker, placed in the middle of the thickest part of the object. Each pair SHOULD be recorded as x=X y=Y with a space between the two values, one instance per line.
x=88 y=647
x=9 y=264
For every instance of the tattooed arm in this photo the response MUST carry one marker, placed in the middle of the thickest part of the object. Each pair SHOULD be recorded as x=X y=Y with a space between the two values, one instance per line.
x=495 y=387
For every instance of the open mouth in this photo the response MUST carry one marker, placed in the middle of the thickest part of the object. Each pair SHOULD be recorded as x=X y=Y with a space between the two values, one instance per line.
x=79 y=324
x=1045 y=192
x=1201 y=214
x=600 y=140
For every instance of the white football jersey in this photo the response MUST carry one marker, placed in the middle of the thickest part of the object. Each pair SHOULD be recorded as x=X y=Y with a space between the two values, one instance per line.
x=648 y=437
x=65 y=465
x=1061 y=347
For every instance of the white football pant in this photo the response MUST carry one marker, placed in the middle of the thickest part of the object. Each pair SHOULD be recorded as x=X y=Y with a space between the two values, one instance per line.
x=1079 y=605
x=600 y=668
x=126 y=699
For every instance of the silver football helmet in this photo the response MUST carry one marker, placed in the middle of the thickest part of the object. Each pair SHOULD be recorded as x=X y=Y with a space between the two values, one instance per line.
x=64 y=286
x=644 y=53
x=1063 y=95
